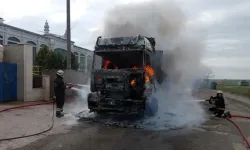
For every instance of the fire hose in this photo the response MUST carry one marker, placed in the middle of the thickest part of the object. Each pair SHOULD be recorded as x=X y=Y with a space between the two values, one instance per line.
x=30 y=105
x=228 y=117
x=69 y=86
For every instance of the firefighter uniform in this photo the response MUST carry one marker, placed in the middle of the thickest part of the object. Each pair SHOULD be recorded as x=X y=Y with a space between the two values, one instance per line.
x=219 y=103
x=59 y=90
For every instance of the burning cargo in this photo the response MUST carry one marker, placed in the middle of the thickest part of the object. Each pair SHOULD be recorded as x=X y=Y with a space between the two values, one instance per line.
x=123 y=74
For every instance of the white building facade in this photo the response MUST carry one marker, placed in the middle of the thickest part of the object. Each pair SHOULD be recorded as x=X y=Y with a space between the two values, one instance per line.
x=13 y=35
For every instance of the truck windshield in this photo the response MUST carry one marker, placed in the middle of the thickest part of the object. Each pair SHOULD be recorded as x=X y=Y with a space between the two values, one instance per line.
x=118 y=60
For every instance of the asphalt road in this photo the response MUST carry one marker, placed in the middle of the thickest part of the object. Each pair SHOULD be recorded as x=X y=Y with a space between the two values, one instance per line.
x=215 y=133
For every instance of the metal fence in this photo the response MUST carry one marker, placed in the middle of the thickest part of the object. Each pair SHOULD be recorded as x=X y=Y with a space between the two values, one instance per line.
x=37 y=77
x=37 y=70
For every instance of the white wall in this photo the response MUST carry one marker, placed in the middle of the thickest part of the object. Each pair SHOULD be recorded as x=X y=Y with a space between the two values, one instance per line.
x=22 y=55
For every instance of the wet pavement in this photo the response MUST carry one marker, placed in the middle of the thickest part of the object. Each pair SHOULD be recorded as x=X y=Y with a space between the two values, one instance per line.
x=215 y=133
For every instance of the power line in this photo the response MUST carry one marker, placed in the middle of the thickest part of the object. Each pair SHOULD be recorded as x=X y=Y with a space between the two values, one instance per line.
x=73 y=26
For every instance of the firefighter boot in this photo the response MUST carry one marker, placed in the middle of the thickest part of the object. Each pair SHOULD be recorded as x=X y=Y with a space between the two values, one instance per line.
x=59 y=113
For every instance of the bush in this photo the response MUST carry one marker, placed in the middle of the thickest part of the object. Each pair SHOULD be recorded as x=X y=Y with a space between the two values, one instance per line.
x=49 y=59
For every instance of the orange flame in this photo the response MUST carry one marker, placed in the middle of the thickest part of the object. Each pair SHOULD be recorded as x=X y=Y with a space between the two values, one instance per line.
x=106 y=64
x=149 y=70
x=146 y=79
x=132 y=82
x=134 y=68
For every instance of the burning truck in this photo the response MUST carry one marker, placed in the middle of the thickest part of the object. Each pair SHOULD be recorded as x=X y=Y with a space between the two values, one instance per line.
x=124 y=74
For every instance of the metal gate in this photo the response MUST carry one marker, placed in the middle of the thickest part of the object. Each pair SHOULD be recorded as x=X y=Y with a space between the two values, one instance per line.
x=8 y=82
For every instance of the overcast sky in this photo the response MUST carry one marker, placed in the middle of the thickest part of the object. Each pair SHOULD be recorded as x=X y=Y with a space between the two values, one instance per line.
x=224 y=23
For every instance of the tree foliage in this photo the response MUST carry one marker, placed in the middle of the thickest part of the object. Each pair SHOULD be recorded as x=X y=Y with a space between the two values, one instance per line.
x=74 y=62
x=49 y=59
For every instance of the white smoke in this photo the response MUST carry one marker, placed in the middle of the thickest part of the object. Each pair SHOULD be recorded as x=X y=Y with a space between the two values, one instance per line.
x=165 y=21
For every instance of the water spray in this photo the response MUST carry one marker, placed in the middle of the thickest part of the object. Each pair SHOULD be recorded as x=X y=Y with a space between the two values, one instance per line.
x=81 y=85
x=192 y=101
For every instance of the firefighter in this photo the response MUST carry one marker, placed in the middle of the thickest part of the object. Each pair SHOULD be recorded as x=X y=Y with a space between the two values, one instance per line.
x=219 y=103
x=59 y=90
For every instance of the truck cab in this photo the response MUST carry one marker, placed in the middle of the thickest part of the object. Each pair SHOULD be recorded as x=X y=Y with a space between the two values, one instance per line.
x=122 y=76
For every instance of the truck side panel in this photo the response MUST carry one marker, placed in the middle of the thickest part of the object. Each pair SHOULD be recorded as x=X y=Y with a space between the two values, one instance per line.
x=157 y=64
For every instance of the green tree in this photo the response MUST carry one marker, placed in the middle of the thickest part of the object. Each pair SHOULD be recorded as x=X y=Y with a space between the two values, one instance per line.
x=74 y=62
x=55 y=61
x=41 y=55
x=49 y=59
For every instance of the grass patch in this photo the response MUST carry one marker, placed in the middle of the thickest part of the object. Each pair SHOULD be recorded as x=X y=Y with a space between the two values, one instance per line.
x=240 y=90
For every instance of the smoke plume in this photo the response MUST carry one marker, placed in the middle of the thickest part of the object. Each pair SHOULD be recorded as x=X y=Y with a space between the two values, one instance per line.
x=165 y=21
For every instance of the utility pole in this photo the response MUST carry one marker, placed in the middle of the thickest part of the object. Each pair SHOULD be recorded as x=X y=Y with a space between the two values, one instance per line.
x=68 y=36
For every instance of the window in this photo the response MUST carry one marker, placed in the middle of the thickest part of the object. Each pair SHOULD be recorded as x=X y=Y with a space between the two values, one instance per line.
x=63 y=52
x=34 y=50
x=148 y=61
x=43 y=45
x=1 y=40
x=76 y=56
x=148 y=68
x=119 y=60
x=31 y=43
x=13 y=40
x=82 y=62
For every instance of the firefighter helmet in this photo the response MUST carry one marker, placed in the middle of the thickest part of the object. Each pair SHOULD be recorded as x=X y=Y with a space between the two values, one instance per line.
x=60 y=73
x=219 y=92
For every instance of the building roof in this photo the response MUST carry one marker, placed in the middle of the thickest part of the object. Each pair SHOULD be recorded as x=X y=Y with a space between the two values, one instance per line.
x=82 y=48
x=42 y=35
x=26 y=31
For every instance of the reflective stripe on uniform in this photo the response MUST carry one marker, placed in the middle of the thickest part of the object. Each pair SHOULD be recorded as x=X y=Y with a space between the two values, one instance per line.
x=58 y=109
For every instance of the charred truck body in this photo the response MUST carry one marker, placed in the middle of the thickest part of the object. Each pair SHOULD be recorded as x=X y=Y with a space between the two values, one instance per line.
x=122 y=77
